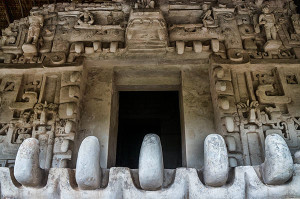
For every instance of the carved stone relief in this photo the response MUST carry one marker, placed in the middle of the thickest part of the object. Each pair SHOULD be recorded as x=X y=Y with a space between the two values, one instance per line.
x=251 y=49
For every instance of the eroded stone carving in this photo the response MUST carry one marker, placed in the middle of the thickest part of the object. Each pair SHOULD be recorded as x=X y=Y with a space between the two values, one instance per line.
x=251 y=48
x=258 y=29
x=256 y=106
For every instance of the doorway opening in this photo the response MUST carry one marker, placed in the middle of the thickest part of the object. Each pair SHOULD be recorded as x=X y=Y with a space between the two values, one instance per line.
x=143 y=112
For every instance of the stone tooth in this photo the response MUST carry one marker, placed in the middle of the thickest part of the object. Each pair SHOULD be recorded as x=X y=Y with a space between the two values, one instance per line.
x=180 y=47
x=97 y=46
x=75 y=76
x=233 y=162
x=221 y=86
x=278 y=165
x=224 y=103
x=89 y=50
x=229 y=124
x=219 y=72
x=113 y=46
x=88 y=171
x=79 y=47
x=231 y=145
x=216 y=164
x=27 y=170
x=151 y=166
x=215 y=45
x=69 y=127
x=197 y=45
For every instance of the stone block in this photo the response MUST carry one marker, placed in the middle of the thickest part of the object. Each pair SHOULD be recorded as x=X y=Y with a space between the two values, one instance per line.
x=69 y=94
x=97 y=46
x=278 y=165
x=219 y=72
x=221 y=86
x=68 y=110
x=229 y=124
x=216 y=162
x=233 y=162
x=113 y=46
x=180 y=47
x=69 y=127
x=231 y=145
x=88 y=171
x=27 y=169
x=79 y=47
x=89 y=50
x=224 y=103
x=215 y=45
x=197 y=45
x=151 y=166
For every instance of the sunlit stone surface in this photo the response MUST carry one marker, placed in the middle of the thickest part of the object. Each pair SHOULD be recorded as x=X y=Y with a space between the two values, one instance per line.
x=151 y=165
x=216 y=165
x=88 y=170
x=278 y=165
x=27 y=170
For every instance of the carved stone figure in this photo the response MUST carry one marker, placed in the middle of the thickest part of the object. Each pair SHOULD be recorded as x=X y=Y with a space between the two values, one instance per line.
x=63 y=70
x=267 y=19
x=207 y=15
x=86 y=18
x=35 y=24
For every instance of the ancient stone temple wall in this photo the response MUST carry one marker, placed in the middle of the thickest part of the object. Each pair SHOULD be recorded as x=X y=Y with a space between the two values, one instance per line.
x=235 y=65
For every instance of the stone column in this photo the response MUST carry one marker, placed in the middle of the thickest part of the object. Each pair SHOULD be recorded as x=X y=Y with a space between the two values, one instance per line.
x=197 y=114
x=97 y=109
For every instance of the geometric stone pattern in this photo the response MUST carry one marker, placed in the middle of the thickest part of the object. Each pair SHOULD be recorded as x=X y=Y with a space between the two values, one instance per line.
x=251 y=104
x=236 y=30
x=42 y=106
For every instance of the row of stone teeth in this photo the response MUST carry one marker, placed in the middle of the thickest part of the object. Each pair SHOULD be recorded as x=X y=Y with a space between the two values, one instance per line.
x=276 y=169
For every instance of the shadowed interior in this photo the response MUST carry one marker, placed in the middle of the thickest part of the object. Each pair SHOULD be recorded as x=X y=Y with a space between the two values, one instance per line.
x=141 y=113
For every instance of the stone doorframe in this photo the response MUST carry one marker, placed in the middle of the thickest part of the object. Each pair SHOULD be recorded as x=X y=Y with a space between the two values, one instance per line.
x=142 y=80
x=100 y=105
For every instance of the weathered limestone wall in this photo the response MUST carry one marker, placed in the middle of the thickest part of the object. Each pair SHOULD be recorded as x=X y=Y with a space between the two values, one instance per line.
x=96 y=108
x=234 y=63
x=197 y=113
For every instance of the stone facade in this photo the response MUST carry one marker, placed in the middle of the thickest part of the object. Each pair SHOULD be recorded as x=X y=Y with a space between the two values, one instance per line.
x=236 y=65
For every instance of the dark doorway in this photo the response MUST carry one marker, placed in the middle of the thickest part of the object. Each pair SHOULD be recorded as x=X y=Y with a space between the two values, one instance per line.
x=146 y=112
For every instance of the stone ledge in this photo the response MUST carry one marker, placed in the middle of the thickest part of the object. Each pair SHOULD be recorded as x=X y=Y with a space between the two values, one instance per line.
x=187 y=184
